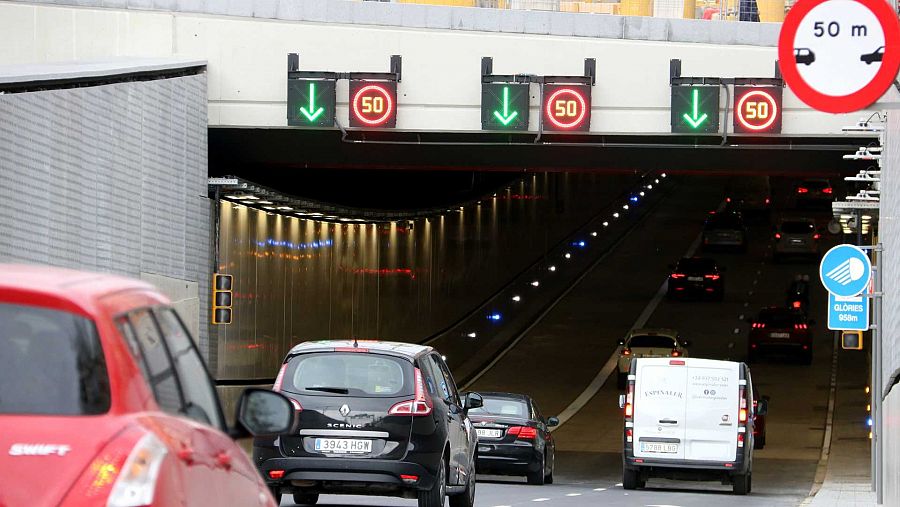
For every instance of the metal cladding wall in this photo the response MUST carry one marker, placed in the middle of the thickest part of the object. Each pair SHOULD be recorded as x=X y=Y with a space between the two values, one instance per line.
x=298 y=279
x=889 y=230
x=109 y=178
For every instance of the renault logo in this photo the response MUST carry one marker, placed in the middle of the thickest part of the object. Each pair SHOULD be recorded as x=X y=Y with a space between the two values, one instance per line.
x=345 y=410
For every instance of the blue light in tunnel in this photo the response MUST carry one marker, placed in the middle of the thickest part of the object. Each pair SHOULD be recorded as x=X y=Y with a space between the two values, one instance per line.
x=869 y=421
x=582 y=243
x=295 y=246
x=495 y=317
x=634 y=198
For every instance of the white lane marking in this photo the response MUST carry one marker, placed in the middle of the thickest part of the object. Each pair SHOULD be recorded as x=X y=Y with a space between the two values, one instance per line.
x=822 y=465
x=741 y=317
x=737 y=331
x=594 y=387
x=746 y=304
x=661 y=505
x=574 y=494
x=540 y=499
x=599 y=489
x=619 y=484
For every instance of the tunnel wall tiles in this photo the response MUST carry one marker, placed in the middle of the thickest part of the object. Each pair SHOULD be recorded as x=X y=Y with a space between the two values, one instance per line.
x=108 y=178
x=889 y=230
x=298 y=280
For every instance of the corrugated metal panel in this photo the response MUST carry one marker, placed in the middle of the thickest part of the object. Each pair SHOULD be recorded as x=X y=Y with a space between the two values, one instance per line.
x=109 y=178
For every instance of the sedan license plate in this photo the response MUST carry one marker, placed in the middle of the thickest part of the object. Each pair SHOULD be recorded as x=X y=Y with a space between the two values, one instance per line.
x=779 y=335
x=695 y=278
x=659 y=447
x=488 y=433
x=343 y=446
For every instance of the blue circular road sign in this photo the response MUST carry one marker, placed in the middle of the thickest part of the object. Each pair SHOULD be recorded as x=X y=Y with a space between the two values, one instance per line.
x=845 y=270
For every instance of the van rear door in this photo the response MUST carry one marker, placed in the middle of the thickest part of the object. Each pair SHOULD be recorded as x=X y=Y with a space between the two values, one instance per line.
x=712 y=410
x=659 y=408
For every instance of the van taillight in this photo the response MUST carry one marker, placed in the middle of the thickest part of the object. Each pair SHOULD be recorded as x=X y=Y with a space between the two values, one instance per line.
x=421 y=405
x=742 y=408
x=629 y=400
x=629 y=435
x=523 y=432
x=740 y=441
x=277 y=385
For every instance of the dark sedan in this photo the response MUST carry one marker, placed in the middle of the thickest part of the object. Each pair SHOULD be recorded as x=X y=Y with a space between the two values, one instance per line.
x=514 y=438
x=696 y=276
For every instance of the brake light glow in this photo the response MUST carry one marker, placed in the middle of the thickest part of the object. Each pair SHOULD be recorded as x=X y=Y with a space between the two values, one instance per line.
x=629 y=400
x=768 y=200
x=759 y=325
x=675 y=353
x=523 y=432
x=740 y=440
x=277 y=385
x=677 y=362
x=802 y=190
x=728 y=199
x=409 y=478
x=350 y=349
x=136 y=483
x=817 y=236
x=777 y=235
x=626 y=352
x=711 y=277
x=421 y=405
x=795 y=304
x=800 y=326
x=742 y=408
x=677 y=275
x=827 y=190
x=276 y=474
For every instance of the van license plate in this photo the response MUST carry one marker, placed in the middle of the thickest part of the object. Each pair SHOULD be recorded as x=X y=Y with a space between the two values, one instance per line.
x=659 y=447
x=488 y=433
x=343 y=446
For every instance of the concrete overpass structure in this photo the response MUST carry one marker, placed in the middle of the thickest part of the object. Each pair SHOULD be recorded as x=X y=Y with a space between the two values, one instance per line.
x=246 y=44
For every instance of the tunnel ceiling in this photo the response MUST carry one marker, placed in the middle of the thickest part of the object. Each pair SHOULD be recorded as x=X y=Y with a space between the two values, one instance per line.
x=415 y=168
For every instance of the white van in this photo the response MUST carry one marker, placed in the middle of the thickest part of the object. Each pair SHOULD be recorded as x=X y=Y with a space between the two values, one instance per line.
x=688 y=419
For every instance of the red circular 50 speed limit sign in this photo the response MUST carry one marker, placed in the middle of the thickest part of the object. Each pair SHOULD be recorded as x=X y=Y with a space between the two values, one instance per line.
x=839 y=56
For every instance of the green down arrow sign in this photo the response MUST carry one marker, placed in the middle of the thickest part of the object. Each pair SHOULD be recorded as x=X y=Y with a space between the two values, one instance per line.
x=311 y=102
x=695 y=109
x=504 y=106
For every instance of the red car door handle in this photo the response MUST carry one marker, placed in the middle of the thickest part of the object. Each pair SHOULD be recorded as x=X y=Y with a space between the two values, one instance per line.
x=224 y=460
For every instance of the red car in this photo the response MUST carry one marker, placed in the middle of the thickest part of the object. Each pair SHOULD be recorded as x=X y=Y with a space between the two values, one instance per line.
x=105 y=401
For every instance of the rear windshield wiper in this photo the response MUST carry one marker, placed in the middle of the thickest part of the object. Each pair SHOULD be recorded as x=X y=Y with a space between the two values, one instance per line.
x=336 y=390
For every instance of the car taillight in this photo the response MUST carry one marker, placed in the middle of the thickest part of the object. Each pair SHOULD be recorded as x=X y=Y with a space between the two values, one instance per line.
x=827 y=190
x=777 y=235
x=523 y=432
x=817 y=236
x=742 y=408
x=677 y=275
x=711 y=277
x=675 y=353
x=802 y=190
x=277 y=385
x=629 y=400
x=728 y=199
x=796 y=304
x=136 y=483
x=800 y=326
x=421 y=405
x=96 y=481
x=759 y=325
x=626 y=352
x=768 y=200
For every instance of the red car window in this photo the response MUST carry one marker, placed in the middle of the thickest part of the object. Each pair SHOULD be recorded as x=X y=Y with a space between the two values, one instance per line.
x=51 y=362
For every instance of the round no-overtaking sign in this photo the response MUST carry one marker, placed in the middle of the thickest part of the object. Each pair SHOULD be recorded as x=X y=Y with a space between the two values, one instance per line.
x=839 y=56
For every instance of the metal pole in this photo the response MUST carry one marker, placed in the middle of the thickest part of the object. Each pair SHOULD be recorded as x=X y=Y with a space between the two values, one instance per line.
x=877 y=373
